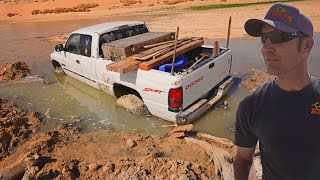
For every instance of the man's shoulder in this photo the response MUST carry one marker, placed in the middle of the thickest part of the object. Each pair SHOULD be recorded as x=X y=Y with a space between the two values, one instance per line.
x=315 y=84
x=315 y=81
x=261 y=92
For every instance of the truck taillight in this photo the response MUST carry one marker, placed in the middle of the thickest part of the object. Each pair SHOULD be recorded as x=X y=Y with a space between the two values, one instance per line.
x=175 y=99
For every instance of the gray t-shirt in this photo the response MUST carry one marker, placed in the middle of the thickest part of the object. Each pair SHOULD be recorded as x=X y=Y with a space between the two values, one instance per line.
x=287 y=125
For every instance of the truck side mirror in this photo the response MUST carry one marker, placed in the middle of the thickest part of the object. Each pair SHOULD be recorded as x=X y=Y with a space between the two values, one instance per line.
x=59 y=48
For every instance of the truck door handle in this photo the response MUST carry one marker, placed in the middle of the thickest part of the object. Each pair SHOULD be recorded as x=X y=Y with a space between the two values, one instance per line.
x=77 y=61
x=211 y=65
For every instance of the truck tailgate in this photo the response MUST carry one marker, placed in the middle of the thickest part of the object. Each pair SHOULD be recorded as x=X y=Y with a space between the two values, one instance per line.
x=204 y=78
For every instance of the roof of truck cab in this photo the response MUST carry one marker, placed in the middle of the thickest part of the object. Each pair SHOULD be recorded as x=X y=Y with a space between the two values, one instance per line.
x=106 y=27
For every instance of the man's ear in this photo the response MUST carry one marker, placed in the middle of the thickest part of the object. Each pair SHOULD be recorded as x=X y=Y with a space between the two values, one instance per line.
x=309 y=42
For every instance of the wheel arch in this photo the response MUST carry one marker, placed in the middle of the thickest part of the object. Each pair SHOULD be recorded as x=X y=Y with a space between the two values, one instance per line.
x=121 y=90
x=55 y=63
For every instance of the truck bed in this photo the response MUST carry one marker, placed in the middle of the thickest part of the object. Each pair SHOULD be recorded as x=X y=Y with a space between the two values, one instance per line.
x=164 y=55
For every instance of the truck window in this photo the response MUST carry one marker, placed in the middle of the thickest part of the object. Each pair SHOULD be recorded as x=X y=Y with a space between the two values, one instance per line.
x=73 y=44
x=85 y=45
x=140 y=29
x=121 y=34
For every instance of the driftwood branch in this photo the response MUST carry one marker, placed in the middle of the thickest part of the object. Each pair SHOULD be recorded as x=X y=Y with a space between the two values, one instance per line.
x=219 y=156
x=223 y=141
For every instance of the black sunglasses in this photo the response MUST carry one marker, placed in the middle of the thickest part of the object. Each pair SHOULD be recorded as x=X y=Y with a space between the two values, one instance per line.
x=280 y=36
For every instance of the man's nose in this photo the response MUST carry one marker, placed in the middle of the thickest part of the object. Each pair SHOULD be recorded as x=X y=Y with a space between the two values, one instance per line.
x=268 y=46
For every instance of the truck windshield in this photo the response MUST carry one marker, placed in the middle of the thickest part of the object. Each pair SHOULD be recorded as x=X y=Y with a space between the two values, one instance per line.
x=121 y=34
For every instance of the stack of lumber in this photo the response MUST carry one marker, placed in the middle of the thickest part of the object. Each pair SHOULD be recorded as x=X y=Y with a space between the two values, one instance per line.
x=123 y=48
x=156 y=55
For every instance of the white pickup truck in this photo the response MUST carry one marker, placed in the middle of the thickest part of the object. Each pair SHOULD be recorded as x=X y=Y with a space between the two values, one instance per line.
x=179 y=98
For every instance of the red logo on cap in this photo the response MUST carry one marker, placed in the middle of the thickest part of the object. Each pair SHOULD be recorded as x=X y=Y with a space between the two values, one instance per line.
x=281 y=12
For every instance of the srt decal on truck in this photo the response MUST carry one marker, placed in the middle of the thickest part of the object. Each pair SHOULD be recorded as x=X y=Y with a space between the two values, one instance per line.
x=152 y=90
x=194 y=82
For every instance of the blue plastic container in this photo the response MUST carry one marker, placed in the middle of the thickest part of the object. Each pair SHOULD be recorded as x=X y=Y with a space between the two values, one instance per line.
x=179 y=63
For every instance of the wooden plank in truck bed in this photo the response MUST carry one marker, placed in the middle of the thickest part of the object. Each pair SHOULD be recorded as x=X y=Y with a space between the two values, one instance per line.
x=122 y=48
x=132 y=66
x=158 y=47
x=130 y=63
x=159 y=51
x=168 y=56
x=116 y=66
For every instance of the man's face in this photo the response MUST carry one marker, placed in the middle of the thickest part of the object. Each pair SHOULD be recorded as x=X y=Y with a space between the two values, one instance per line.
x=281 y=58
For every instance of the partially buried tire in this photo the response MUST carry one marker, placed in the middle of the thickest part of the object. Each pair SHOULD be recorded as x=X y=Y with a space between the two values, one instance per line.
x=59 y=70
x=57 y=67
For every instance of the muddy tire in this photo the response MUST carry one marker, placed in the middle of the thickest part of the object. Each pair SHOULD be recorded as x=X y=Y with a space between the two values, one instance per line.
x=59 y=70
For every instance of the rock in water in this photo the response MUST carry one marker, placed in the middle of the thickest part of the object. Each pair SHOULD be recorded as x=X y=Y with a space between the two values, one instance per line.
x=132 y=104
x=182 y=128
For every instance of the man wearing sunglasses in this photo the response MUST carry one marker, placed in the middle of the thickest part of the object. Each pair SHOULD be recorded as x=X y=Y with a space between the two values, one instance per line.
x=284 y=114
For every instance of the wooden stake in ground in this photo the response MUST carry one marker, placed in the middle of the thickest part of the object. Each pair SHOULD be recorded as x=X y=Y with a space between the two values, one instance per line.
x=229 y=28
x=174 y=52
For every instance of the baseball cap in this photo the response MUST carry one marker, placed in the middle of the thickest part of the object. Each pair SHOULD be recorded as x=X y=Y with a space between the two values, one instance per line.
x=283 y=17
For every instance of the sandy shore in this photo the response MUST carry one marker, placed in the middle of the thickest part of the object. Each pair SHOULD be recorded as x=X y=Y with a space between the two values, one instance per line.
x=210 y=23
x=68 y=153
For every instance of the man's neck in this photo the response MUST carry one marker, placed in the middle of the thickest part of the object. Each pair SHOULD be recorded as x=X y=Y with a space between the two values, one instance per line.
x=293 y=83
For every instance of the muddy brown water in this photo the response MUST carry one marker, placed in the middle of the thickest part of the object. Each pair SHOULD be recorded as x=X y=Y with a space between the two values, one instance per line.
x=68 y=100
